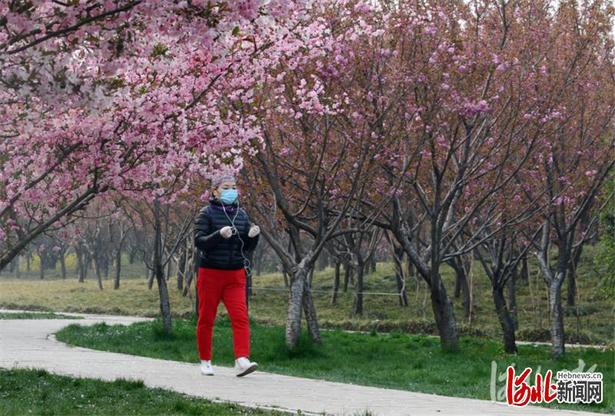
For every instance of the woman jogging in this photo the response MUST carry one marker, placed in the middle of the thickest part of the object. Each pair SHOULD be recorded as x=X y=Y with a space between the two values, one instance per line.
x=225 y=238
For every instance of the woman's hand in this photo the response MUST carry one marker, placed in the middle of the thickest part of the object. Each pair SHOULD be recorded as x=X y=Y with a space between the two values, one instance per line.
x=254 y=231
x=226 y=232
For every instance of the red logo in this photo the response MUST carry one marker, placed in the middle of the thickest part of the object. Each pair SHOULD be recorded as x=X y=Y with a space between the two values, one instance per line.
x=520 y=393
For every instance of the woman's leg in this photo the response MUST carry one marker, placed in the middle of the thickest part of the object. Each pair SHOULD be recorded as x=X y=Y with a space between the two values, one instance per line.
x=234 y=298
x=209 y=291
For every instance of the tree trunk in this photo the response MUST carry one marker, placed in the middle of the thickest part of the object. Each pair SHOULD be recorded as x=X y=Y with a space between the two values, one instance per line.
x=63 y=265
x=461 y=285
x=321 y=261
x=78 y=263
x=169 y=269
x=118 y=269
x=358 y=300
x=457 y=291
x=506 y=321
x=512 y=298
x=84 y=269
x=151 y=278
x=401 y=289
x=525 y=274
x=572 y=287
x=310 y=316
x=248 y=286
x=190 y=270
x=347 y=274
x=398 y=255
x=163 y=291
x=557 y=317
x=443 y=313
x=572 y=277
x=414 y=274
x=336 y=283
x=181 y=267
x=165 y=305
x=41 y=268
x=80 y=266
x=98 y=274
x=293 y=322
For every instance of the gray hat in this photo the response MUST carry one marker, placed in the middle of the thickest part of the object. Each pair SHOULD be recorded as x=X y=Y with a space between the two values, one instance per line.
x=216 y=180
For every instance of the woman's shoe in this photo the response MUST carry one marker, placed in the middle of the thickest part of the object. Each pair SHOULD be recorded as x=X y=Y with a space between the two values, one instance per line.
x=206 y=368
x=243 y=366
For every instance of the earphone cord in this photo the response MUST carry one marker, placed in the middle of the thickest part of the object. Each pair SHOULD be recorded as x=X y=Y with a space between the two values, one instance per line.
x=246 y=261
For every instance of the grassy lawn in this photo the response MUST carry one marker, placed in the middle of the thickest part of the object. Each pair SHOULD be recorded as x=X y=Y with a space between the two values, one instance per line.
x=35 y=315
x=133 y=298
x=395 y=360
x=38 y=392
x=591 y=321
x=405 y=359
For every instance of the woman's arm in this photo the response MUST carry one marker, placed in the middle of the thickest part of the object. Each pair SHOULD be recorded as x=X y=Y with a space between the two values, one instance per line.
x=251 y=242
x=204 y=236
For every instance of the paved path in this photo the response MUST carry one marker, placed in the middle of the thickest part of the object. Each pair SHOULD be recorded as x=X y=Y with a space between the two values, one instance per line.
x=29 y=343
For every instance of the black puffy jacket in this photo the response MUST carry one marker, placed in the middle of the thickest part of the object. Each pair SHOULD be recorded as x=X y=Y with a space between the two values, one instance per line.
x=216 y=251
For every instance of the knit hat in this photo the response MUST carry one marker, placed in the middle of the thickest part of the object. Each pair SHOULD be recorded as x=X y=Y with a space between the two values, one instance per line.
x=216 y=180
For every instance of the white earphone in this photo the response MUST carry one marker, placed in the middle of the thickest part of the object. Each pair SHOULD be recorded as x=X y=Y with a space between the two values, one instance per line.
x=246 y=261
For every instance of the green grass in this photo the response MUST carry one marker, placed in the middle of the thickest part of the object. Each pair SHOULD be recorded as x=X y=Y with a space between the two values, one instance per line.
x=35 y=315
x=136 y=269
x=395 y=360
x=413 y=362
x=590 y=322
x=40 y=393
x=133 y=297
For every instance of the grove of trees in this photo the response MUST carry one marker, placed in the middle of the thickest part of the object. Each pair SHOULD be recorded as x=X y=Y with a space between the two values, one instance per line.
x=440 y=132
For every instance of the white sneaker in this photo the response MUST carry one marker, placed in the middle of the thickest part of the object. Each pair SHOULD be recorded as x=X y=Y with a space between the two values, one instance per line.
x=206 y=368
x=243 y=366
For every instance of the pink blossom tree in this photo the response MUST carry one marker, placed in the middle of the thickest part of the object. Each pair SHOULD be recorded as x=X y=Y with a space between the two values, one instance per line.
x=122 y=97
x=318 y=158
x=576 y=150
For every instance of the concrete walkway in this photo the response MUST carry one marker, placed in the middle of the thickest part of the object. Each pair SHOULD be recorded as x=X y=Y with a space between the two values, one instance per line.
x=29 y=343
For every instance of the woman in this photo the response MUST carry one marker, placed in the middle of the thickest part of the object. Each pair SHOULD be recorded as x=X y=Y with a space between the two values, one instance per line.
x=225 y=239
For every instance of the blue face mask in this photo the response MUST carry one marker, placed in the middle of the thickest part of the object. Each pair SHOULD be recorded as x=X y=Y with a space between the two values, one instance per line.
x=228 y=196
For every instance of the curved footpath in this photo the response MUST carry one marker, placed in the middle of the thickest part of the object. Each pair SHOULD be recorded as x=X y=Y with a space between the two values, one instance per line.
x=29 y=343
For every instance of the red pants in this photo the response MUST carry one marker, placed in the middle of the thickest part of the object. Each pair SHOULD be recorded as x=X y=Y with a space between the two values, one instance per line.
x=213 y=285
